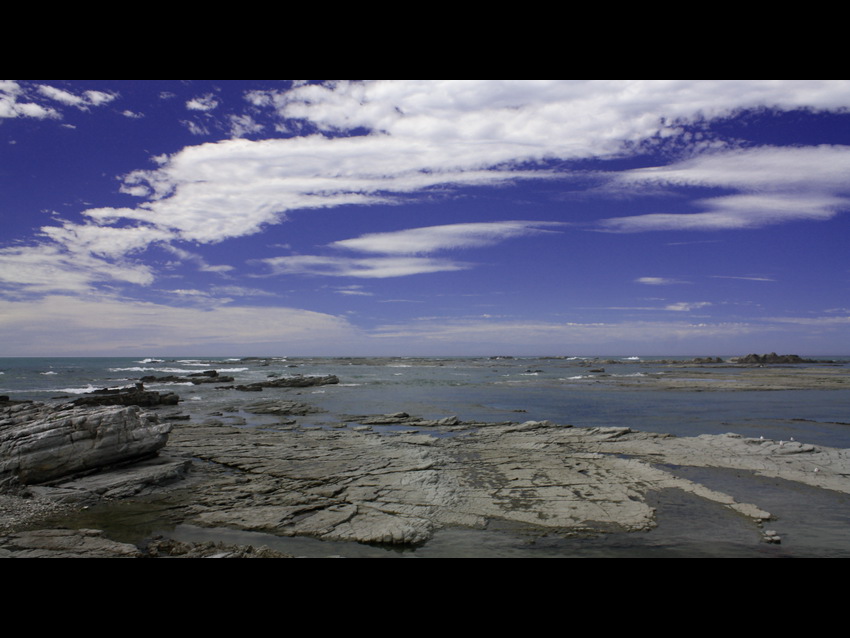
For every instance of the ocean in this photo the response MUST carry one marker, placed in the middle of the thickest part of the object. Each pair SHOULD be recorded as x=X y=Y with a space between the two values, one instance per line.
x=630 y=391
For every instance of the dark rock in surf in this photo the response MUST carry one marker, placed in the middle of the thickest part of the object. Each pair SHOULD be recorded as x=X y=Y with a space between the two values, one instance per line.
x=127 y=396
x=773 y=358
x=285 y=382
x=196 y=378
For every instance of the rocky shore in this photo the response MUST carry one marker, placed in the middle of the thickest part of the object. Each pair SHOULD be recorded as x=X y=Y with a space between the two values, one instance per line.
x=347 y=482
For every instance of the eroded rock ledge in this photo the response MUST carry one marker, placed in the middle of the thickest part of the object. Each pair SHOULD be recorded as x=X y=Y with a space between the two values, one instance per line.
x=347 y=485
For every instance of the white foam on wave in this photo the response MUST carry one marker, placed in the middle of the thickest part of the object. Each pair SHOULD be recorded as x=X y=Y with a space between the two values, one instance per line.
x=46 y=373
x=146 y=369
x=151 y=361
x=158 y=385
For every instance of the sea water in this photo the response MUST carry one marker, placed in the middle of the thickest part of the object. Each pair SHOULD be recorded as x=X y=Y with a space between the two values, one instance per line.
x=563 y=390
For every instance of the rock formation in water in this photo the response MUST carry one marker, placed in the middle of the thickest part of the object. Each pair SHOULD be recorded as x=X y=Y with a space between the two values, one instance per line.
x=196 y=378
x=285 y=382
x=773 y=358
x=137 y=396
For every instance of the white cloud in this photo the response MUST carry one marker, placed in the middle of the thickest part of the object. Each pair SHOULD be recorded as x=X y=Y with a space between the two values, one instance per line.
x=396 y=250
x=19 y=100
x=106 y=241
x=196 y=128
x=659 y=281
x=742 y=278
x=241 y=125
x=776 y=185
x=11 y=104
x=81 y=101
x=436 y=238
x=355 y=291
x=567 y=117
x=198 y=260
x=432 y=133
x=203 y=103
x=687 y=306
x=369 y=268
x=46 y=268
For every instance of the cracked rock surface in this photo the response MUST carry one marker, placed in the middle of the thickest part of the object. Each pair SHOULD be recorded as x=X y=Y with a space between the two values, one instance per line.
x=348 y=485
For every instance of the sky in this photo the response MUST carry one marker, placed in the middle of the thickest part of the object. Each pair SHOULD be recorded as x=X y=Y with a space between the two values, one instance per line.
x=424 y=217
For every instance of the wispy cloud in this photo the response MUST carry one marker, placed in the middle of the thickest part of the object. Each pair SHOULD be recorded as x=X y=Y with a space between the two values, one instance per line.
x=49 y=268
x=204 y=103
x=432 y=239
x=368 y=268
x=687 y=306
x=659 y=281
x=43 y=101
x=776 y=185
x=751 y=278
x=353 y=291
x=395 y=250
x=82 y=101
x=14 y=102
x=198 y=260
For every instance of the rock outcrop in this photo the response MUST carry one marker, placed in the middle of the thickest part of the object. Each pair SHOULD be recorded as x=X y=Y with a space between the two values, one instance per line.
x=41 y=444
x=351 y=485
x=285 y=382
x=127 y=396
x=196 y=378
x=773 y=358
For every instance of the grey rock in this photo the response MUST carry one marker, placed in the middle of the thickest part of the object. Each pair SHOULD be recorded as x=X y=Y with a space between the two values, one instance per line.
x=39 y=444
x=346 y=485
x=65 y=543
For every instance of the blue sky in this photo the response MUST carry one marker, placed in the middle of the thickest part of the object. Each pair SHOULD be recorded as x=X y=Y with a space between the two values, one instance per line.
x=424 y=217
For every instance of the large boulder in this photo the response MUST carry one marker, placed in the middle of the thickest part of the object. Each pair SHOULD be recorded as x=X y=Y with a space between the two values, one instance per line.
x=41 y=444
